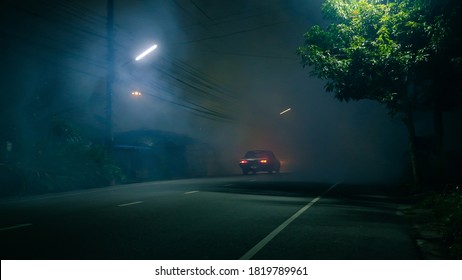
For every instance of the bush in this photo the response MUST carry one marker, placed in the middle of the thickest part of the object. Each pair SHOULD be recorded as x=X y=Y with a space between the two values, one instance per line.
x=447 y=208
x=10 y=180
x=61 y=159
x=64 y=167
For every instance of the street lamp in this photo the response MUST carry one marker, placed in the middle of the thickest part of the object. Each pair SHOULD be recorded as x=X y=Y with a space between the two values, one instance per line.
x=139 y=57
x=146 y=52
x=285 y=111
x=110 y=75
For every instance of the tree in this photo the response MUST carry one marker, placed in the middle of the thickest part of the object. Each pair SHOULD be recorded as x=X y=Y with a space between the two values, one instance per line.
x=444 y=70
x=376 y=49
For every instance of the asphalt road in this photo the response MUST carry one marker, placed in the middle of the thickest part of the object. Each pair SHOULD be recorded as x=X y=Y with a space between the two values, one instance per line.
x=241 y=217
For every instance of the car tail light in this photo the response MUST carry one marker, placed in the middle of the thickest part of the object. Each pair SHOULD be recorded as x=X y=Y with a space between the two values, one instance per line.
x=264 y=161
x=243 y=161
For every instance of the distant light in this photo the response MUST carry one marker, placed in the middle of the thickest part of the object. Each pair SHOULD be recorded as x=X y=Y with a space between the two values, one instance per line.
x=285 y=111
x=136 y=93
x=146 y=52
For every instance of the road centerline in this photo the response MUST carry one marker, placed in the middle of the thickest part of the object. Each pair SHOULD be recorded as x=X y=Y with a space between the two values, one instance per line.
x=130 y=203
x=191 y=192
x=15 y=227
x=255 y=249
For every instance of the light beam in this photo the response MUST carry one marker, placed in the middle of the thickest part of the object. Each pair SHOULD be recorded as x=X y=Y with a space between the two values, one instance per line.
x=146 y=52
x=285 y=111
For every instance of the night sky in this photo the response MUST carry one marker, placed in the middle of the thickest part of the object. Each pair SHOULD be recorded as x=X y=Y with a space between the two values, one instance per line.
x=222 y=73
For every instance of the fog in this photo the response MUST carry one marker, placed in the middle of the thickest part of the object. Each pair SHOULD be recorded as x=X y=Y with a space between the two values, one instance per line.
x=223 y=72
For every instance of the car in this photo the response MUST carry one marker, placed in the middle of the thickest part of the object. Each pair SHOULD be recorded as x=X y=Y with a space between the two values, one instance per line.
x=259 y=161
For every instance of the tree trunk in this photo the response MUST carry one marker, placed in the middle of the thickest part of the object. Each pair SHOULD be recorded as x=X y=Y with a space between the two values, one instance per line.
x=438 y=144
x=441 y=90
x=409 y=122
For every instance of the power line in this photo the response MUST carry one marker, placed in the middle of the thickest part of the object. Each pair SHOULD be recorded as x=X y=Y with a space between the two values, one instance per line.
x=201 y=10
x=249 y=55
x=234 y=33
x=196 y=86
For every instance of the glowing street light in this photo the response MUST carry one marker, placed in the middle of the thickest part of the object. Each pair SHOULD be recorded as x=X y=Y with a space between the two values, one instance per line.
x=146 y=52
x=285 y=111
x=136 y=93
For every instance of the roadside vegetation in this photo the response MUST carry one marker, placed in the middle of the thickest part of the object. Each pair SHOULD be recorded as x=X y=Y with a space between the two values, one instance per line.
x=448 y=211
x=437 y=219
x=406 y=55
x=63 y=159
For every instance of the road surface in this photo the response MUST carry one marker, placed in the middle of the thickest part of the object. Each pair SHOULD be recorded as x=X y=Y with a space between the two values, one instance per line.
x=241 y=217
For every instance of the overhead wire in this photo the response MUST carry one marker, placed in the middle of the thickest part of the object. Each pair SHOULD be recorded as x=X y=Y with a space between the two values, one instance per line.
x=234 y=33
x=248 y=55
x=197 y=86
x=201 y=10
x=178 y=82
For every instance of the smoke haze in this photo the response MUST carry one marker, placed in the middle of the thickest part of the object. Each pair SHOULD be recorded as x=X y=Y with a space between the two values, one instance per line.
x=222 y=73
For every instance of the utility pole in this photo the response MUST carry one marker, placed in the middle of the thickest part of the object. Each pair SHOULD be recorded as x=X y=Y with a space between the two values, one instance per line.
x=110 y=72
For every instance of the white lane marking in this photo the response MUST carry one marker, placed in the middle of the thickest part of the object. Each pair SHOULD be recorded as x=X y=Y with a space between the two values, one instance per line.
x=130 y=203
x=14 y=227
x=269 y=237
x=69 y=194
x=191 y=192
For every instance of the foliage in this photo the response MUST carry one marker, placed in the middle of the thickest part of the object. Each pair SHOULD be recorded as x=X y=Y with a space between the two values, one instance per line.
x=63 y=161
x=447 y=208
x=401 y=53
x=372 y=48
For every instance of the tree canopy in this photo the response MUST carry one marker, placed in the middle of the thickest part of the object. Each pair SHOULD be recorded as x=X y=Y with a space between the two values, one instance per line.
x=402 y=53
x=371 y=48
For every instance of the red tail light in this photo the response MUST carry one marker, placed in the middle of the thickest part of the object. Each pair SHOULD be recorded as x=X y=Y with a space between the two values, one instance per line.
x=264 y=161
x=243 y=161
